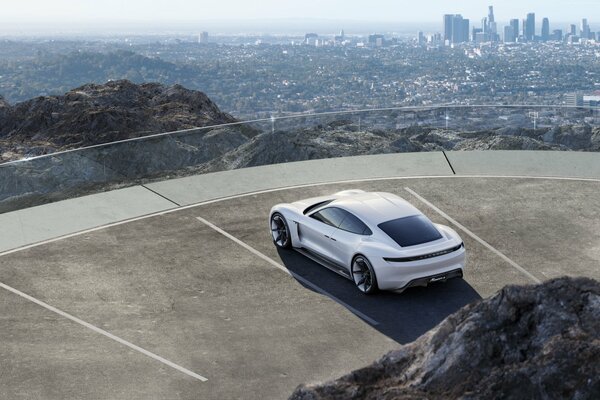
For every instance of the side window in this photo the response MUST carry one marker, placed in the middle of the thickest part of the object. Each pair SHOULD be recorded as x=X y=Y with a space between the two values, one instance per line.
x=330 y=216
x=351 y=223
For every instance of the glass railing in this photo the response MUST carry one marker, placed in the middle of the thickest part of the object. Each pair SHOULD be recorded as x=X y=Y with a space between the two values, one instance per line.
x=74 y=173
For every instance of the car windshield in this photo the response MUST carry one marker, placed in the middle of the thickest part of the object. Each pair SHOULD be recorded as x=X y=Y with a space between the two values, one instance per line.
x=411 y=231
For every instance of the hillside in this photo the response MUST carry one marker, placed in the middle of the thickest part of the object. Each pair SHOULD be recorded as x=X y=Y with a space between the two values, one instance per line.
x=94 y=114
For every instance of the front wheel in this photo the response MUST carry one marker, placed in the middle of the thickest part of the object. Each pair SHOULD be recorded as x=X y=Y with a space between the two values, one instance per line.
x=364 y=275
x=280 y=231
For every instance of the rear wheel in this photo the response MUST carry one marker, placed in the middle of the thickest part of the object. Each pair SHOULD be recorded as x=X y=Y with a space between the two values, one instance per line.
x=280 y=231
x=364 y=275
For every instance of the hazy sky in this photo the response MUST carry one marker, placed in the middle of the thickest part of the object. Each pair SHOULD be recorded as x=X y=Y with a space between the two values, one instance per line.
x=60 y=11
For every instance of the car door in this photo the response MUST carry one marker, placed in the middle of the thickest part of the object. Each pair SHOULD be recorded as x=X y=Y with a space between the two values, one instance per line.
x=347 y=238
x=316 y=230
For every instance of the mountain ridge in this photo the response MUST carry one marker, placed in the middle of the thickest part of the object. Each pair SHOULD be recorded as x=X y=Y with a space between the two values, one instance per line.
x=100 y=113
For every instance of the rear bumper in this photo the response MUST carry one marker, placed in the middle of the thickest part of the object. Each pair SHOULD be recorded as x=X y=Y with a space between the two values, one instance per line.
x=425 y=281
x=400 y=276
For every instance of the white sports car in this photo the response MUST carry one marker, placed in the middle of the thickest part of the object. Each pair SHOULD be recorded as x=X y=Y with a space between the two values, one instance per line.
x=378 y=240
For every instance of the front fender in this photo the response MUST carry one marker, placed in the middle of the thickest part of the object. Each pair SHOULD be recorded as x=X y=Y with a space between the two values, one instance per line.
x=291 y=215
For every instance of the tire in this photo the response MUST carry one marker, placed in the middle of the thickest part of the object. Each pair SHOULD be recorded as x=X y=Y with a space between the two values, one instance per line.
x=363 y=275
x=280 y=231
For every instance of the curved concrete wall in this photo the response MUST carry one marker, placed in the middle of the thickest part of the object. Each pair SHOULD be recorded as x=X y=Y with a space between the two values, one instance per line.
x=37 y=224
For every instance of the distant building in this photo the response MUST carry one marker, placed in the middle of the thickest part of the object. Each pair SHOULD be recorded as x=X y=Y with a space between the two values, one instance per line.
x=341 y=37
x=421 y=38
x=557 y=35
x=591 y=101
x=514 y=23
x=579 y=99
x=481 y=37
x=448 y=19
x=492 y=27
x=456 y=29
x=509 y=34
x=311 y=39
x=585 y=29
x=530 y=27
x=573 y=30
x=545 y=30
x=435 y=39
x=376 y=40
x=203 y=38
x=575 y=99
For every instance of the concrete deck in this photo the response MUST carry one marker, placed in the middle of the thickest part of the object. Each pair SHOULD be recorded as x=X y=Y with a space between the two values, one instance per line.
x=179 y=289
x=46 y=222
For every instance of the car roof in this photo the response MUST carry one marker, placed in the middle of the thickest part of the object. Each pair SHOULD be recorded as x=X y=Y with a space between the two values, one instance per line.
x=375 y=207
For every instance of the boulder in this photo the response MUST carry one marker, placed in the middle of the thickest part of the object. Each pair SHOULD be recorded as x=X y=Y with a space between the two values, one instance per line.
x=526 y=342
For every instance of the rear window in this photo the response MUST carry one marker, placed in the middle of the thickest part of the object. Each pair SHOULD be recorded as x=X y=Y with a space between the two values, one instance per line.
x=411 y=231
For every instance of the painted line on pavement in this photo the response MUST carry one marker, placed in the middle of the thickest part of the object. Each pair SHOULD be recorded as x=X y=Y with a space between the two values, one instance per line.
x=474 y=236
x=277 y=265
x=103 y=332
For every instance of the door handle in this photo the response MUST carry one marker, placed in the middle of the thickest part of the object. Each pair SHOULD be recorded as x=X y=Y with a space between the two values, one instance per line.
x=330 y=238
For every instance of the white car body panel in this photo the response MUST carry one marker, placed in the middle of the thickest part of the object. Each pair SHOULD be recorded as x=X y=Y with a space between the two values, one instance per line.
x=335 y=247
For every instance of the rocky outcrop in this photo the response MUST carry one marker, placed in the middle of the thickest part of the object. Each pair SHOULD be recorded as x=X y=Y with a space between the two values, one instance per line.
x=94 y=114
x=528 y=342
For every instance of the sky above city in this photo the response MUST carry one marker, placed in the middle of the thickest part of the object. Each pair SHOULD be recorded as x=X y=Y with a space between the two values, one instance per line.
x=156 y=11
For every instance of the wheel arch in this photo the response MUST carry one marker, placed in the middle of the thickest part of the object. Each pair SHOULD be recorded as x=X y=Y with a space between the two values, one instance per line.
x=290 y=213
x=361 y=254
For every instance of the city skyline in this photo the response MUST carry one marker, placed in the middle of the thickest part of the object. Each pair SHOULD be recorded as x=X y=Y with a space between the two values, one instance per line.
x=71 y=11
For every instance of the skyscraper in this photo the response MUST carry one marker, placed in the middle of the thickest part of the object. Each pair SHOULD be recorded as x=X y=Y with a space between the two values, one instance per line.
x=585 y=29
x=492 y=28
x=545 y=30
x=203 y=38
x=515 y=25
x=530 y=27
x=448 y=18
x=509 y=34
x=465 y=30
x=456 y=29
x=573 y=30
x=491 y=15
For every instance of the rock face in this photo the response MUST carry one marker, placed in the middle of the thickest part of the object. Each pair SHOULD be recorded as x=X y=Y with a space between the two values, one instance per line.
x=530 y=342
x=94 y=114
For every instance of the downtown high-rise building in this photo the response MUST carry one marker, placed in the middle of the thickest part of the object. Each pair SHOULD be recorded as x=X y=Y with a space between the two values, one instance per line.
x=545 y=30
x=530 y=27
x=573 y=30
x=514 y=23
x=585 y=29
x=456 y=29
x=509 y=34
x=448 y=18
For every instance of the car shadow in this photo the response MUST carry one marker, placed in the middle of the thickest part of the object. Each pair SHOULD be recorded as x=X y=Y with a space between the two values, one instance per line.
x=402 y=317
